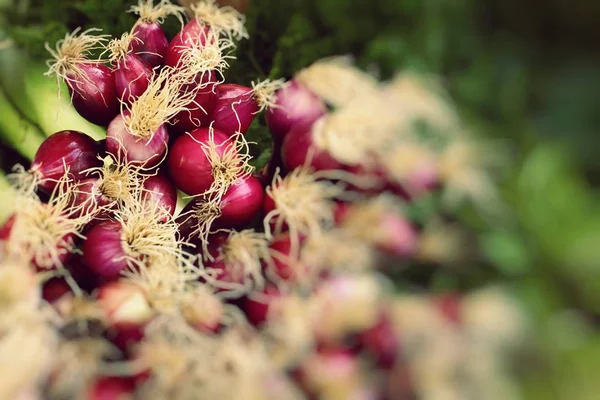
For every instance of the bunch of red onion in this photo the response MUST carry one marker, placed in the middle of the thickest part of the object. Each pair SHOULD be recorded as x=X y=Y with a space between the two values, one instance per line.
x=163 y=238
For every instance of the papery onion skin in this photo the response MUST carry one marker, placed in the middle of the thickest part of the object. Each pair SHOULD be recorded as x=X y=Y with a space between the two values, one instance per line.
x=199 y=112
x=124 y=304
x=188 y=165
x=150 y=44
x=160 y=190
x=299 y=149
x=72 y=150
x=103 y=251
x=123 y=145
x=95 y=96
x=132 y=77
x=235 y=108
x=295 y=105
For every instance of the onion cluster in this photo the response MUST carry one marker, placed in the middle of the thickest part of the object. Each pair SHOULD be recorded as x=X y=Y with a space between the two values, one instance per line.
x=170 y=268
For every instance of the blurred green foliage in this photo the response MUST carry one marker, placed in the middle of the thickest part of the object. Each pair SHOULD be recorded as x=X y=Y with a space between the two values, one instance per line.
x=524 y=72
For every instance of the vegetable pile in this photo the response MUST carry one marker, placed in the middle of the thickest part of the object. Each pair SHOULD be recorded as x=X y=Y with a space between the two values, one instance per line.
x=158 y=263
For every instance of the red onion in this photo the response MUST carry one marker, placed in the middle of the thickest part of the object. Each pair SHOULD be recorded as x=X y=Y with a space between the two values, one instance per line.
x=91 y=85
x=236 y=208
x=235 y=108
x=286 y=265
x=57 y=242
x=257 y=309
x=111 y=388
x=204 y=158
x=124 y=304
x=103 y=251
x=160 y=191
x=295 y=106
x=132 y=73
x=381 y=341
x=192 y=34
x=152 y=43
x=402 y=236
x=54 y=289
x=123 y=144
x=300 y=147
x=132 y=76
x=89 y=198
x=199 y=111
x=94 y=95
x=64 y=150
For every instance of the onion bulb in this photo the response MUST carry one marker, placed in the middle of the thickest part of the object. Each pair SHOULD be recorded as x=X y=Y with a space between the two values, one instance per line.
x=294 y=106
x=65 y=152
x=91 y=84
x=139 y=135
x=152 y=42
x=206 y=159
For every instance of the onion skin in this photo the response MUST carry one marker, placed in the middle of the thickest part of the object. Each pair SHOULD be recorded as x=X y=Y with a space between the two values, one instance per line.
x=148 y=152
x=200 y=110
x=241 y=203
x=234 y=99
x=6 y=227
x=299 y=145
x=150 y=44
x=95 y=96
x=102 y=250
x=132 y=77
x=192 y=34
x=71 y=149
x=295 y=106
x=162 y=193
x=189 y=167
x=257 y=311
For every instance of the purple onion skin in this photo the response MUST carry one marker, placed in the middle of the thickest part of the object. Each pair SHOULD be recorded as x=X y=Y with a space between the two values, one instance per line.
x=132 y=77
x=103 y=252
x=188 y=166
x=295 y=106
x=71 y=149
x=241 y=203
x=200 y=110
x=161 y=192
x=298 y=146
x=403 y=236
x=90 y=198
x=151 y=43
x=232 y=97
x=95 y=96
x=148 y=152
x=189 y=35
